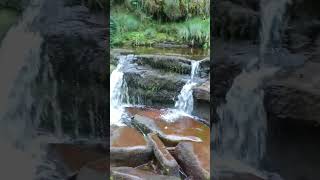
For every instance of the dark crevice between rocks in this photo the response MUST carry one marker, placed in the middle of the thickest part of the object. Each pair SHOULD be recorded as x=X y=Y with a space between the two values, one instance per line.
x=292 y=148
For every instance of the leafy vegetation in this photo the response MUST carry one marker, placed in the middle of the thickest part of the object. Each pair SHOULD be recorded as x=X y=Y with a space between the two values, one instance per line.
x=131 y=26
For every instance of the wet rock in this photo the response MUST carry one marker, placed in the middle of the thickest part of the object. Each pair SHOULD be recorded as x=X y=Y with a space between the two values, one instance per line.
x=128 y=173
x=202 y=92
x=182 y=128
x=174 y=64
x=194 y=158
x=95 y=170
x=235 y=21
x=129 y=147
x=154 y=87
x=204 y=68
x=74 y=38
x=73 y=157
x=116 y=52
x=167 y=161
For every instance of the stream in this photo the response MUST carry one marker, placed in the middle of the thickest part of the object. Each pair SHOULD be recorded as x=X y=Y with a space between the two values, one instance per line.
x=152 y=93
x=120 y=98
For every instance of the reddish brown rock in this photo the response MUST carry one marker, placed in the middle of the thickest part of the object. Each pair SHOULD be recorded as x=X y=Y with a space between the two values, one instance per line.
x=184 y=128
x=74 y=157
x=193 y=150
x=166 y=160
x=129 y=147
x=194 y=158
x=128 y=173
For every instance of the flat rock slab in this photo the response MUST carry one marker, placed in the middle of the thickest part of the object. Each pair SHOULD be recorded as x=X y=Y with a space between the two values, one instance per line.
x=194 y=158
x=166 y=160
x=129 y=147
x=74 y=157
x=183 y=128
x=128 y=173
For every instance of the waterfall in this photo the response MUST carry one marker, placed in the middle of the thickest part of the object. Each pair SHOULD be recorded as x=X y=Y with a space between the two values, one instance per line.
x=242 y=126
x=118 y=90
x=241 y=131
x=272 y=25
x=185 y=98
x=19 y=65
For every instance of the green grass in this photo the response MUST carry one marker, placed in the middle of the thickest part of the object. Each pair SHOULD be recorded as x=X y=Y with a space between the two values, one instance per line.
x=7 y=19
x=131 y=29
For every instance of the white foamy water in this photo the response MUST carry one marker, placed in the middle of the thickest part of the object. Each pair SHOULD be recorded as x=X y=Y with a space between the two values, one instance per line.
x=242 y=127
x=185 y=98
x=118 y=91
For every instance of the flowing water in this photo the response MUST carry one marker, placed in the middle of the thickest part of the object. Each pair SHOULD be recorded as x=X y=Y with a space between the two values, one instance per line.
x=118 y=91
x=22 y=150
x=272 y=26
x=185 y=98
x=243 y=125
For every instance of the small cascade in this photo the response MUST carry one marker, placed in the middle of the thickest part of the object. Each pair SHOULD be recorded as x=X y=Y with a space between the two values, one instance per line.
x=241 y=131
x=242 y=127
x=18 y=117
x=118 y=90
x=272 y=26
x=185 y=98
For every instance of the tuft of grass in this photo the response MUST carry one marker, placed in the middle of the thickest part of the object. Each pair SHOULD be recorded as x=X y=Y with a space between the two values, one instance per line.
x=195 y=31
x=137 y=29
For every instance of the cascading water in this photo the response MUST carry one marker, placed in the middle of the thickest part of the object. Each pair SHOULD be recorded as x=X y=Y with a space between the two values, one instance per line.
x=118 y=90
x=272 y=25
x=242 y=126
x=185 y=98
x=21 y=148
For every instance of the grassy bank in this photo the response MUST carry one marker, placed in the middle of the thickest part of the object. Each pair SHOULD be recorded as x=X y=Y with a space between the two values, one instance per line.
x=136 y=28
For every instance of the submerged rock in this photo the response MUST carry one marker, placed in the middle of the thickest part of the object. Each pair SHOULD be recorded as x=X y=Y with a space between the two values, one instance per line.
x=181 y=128
x=192 y=137
x=129 y=147
x=129 y=173
x=194 y=157
x=166 y=160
